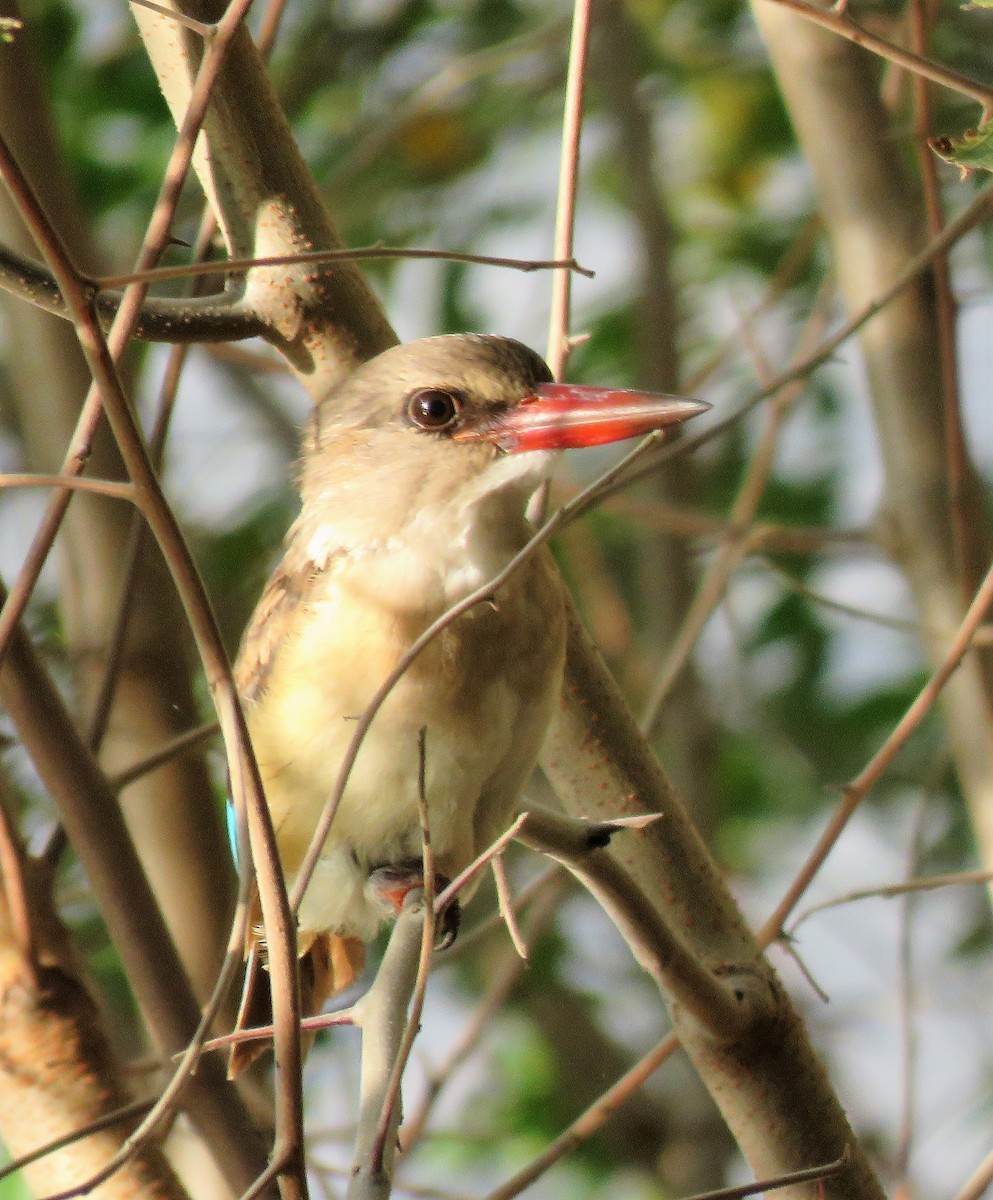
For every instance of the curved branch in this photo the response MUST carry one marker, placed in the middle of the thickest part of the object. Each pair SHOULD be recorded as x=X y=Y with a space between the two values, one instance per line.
x=220 y=318
x=724 y=1001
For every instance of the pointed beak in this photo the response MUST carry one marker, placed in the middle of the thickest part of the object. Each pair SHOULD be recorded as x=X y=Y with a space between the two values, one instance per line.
x=567 y=416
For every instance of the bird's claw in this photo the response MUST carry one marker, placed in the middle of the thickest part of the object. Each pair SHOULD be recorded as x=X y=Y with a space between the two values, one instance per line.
x=394 y=882
x=449 y=922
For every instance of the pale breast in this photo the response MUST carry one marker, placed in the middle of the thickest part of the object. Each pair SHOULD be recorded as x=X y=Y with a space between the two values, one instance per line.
x=483 y=690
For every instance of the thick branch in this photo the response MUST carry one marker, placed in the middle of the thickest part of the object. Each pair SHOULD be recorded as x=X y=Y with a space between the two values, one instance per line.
x=382 y=1016
x=267 y=203
x=58 y=1073
x=600 y=766
x=722 y=1010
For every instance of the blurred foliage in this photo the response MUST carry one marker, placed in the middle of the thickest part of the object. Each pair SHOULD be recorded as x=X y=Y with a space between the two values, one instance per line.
x=436 y=123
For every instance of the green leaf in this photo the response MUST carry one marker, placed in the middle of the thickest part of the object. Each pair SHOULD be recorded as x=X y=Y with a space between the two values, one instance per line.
x=973 y=149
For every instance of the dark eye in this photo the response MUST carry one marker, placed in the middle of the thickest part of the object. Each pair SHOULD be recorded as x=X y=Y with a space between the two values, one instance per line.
x=432 y=408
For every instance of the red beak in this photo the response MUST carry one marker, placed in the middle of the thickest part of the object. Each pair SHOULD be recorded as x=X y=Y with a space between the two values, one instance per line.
x=566 y=416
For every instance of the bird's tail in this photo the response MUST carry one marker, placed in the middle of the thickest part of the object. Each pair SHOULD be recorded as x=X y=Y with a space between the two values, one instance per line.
x=329 y=963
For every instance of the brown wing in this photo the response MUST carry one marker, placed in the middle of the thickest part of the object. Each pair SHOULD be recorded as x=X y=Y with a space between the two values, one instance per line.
x=291 y=584
x=267 y=628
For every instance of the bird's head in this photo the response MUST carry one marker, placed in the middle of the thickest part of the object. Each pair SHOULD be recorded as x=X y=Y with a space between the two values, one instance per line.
x=459 y=410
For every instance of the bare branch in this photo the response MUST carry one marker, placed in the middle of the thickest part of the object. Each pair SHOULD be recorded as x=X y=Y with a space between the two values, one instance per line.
x=888 y=891
x=857 y=790
x=559 y=343
x=723 y=1005
x=320 y=257
x=183 y=743
x=222 y=318
x=838 y=22
x=593 y=1119
x=99 y=487
x=382 y=1016
x=735 y=550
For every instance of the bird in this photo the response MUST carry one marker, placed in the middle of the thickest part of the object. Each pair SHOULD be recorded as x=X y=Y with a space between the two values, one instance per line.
x=415 y=475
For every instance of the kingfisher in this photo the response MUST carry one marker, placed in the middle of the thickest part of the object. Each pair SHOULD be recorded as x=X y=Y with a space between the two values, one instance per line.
x=415 y=478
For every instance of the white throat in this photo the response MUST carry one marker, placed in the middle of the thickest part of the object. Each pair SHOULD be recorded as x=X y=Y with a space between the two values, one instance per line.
x=448 y=548
x=482 y=527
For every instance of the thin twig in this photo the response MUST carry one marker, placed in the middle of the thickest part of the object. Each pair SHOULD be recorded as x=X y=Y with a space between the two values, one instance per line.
x=888 y=891
x=593 y=1119
x=317 y=257
x=907 y=1012
x=505 y=901
x=771 y=536
x=956 y=229
x=856 y=791
x=493 y=851
x=559 y=318
x=729 y=557
x=983 y=636
x=838 y=22
x=807 y=1175
x=548 y=880
x=113 y=488
x=559 y=344
x=264 y=1033
x=182 y=743
x=127 y=1112
x=946 y=309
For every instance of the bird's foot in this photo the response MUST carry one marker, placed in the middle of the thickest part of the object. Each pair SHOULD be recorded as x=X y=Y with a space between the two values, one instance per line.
x=391 y=884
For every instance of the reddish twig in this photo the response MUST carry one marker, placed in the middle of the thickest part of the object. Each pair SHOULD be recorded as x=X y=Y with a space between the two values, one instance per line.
x=505 y=900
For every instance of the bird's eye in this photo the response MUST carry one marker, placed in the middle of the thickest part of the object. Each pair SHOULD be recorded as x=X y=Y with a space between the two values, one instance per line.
x=433 y=408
